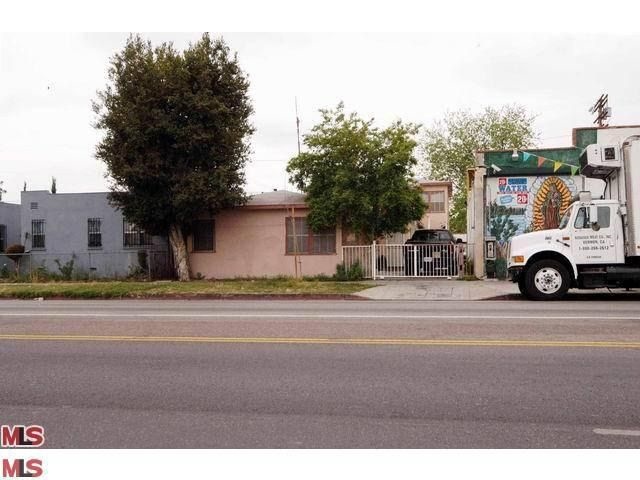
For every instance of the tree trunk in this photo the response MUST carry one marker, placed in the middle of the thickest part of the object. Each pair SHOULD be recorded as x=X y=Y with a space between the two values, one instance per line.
x=179 y=250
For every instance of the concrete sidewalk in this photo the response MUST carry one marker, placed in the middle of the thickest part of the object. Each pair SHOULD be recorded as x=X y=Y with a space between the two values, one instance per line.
x=438 y=289
x=454 y=289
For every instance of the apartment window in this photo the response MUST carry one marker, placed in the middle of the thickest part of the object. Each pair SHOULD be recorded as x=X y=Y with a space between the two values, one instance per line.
x=94 y=232
x=34 y=205
x=306 y=241
x=204 y=239
x=37 y=234
x=134 y=236
x=3 y=237
x=434 y=201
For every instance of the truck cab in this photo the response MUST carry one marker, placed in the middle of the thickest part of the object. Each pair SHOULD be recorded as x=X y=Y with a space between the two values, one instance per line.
x=594 y=245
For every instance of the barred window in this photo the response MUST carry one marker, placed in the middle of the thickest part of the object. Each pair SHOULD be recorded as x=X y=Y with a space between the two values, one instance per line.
x=204 y=239
x=3 y=237
x=134 y=236
x=307 y=241
x=434 y=201
x=37 y=234
x=94 y=232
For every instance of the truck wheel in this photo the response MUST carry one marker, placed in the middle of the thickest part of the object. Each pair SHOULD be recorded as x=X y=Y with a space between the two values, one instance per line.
x=546 y=280
x=521 y=285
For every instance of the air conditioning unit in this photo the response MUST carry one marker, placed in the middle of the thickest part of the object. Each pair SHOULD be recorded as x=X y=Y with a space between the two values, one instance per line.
x=599 y=161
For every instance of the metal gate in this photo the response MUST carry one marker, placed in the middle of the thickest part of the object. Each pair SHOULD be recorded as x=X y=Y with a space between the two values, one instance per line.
x=413 y=261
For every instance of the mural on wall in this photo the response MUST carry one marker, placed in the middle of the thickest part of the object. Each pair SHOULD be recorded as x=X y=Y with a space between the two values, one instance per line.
x=524 y=204
x=552 y=198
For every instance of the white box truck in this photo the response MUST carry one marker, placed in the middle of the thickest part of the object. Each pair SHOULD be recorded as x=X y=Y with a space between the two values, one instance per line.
x=597 y=243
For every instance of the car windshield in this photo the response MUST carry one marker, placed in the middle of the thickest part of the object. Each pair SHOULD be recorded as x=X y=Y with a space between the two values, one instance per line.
x=432 y=236
x=564 y=221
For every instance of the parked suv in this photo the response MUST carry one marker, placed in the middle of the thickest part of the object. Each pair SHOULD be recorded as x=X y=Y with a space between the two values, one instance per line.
x=430 y=253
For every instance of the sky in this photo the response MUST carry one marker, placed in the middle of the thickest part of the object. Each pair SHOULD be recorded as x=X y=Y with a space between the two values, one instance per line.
x=47 y=83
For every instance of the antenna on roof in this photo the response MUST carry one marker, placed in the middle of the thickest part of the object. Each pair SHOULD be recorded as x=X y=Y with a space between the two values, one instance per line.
x=602 y=110
x=297 y=124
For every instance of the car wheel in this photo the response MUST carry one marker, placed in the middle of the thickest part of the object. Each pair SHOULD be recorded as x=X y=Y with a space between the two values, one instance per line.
x=546 y=280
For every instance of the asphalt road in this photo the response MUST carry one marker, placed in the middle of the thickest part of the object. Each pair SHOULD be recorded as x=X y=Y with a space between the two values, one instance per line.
x=316 y=374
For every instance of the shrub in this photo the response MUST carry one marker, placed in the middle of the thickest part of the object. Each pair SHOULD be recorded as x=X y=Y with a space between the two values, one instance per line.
x=353 y=273
x=136 y=272
x=66 y=270
x=142 y=260
x=501 y=268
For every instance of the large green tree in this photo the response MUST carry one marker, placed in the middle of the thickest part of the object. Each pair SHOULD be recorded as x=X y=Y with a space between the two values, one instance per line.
x=358 y=176
x=176 y=129
x=449 y=147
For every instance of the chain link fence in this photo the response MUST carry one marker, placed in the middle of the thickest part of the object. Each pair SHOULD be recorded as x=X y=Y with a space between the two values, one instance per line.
x=138 y=263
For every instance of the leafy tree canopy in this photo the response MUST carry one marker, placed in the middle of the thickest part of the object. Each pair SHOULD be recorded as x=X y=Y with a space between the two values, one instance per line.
x=358 y=175
x=449 y=147
x=176 y=128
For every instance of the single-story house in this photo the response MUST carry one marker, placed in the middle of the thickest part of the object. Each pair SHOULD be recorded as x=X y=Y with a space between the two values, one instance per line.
x=269 y=236
x=83 y=228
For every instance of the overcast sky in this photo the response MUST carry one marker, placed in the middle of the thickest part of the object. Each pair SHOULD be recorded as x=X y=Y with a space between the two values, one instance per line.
x=47 y=82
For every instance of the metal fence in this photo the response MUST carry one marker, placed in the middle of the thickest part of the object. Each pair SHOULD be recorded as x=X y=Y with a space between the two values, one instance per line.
x=379 y=261
x=143 y=263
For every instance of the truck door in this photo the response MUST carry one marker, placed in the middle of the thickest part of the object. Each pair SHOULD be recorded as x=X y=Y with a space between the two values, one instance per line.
x=594 y=245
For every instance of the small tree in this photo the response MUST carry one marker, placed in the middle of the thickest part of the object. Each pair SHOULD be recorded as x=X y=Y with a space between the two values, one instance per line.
x=15 y=253
x=2 y=190
x=176 y=128
x=449 y=147
x=54 y=188
x=359 y=176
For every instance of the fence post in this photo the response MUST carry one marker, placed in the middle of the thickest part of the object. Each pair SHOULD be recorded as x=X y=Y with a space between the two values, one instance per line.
x=373 y=260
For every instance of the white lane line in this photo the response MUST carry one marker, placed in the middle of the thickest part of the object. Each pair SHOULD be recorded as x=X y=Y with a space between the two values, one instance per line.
x=627 y=433
x=307 y=315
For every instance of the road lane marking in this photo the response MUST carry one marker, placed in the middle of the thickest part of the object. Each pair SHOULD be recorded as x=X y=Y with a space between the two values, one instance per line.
x=627 y=433
x=310 y=315
x=325 y=341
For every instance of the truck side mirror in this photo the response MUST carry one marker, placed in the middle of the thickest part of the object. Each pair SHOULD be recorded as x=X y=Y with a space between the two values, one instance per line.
x=593 y=217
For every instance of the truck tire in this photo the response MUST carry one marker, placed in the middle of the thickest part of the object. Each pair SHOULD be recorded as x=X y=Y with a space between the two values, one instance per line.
x=546 y=280
x=521 y=287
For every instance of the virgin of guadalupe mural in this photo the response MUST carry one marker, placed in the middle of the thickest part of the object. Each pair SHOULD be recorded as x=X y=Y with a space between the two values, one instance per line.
x=551 y=201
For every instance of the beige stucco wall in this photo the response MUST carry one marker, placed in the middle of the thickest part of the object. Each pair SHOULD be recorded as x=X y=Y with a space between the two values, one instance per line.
x=252 y=242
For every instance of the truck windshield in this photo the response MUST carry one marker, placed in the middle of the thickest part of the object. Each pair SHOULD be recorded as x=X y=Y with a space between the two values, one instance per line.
x=564 y=221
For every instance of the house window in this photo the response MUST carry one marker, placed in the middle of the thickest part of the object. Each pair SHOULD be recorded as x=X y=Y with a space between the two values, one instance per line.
x=3 y=237
x=37 y=234
x=134 y=236
x=94 y=232
x=307 y=242
x=204 y=239
x=434 y=201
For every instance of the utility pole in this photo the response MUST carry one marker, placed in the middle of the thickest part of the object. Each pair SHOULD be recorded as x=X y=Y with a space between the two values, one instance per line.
x=293 y=210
